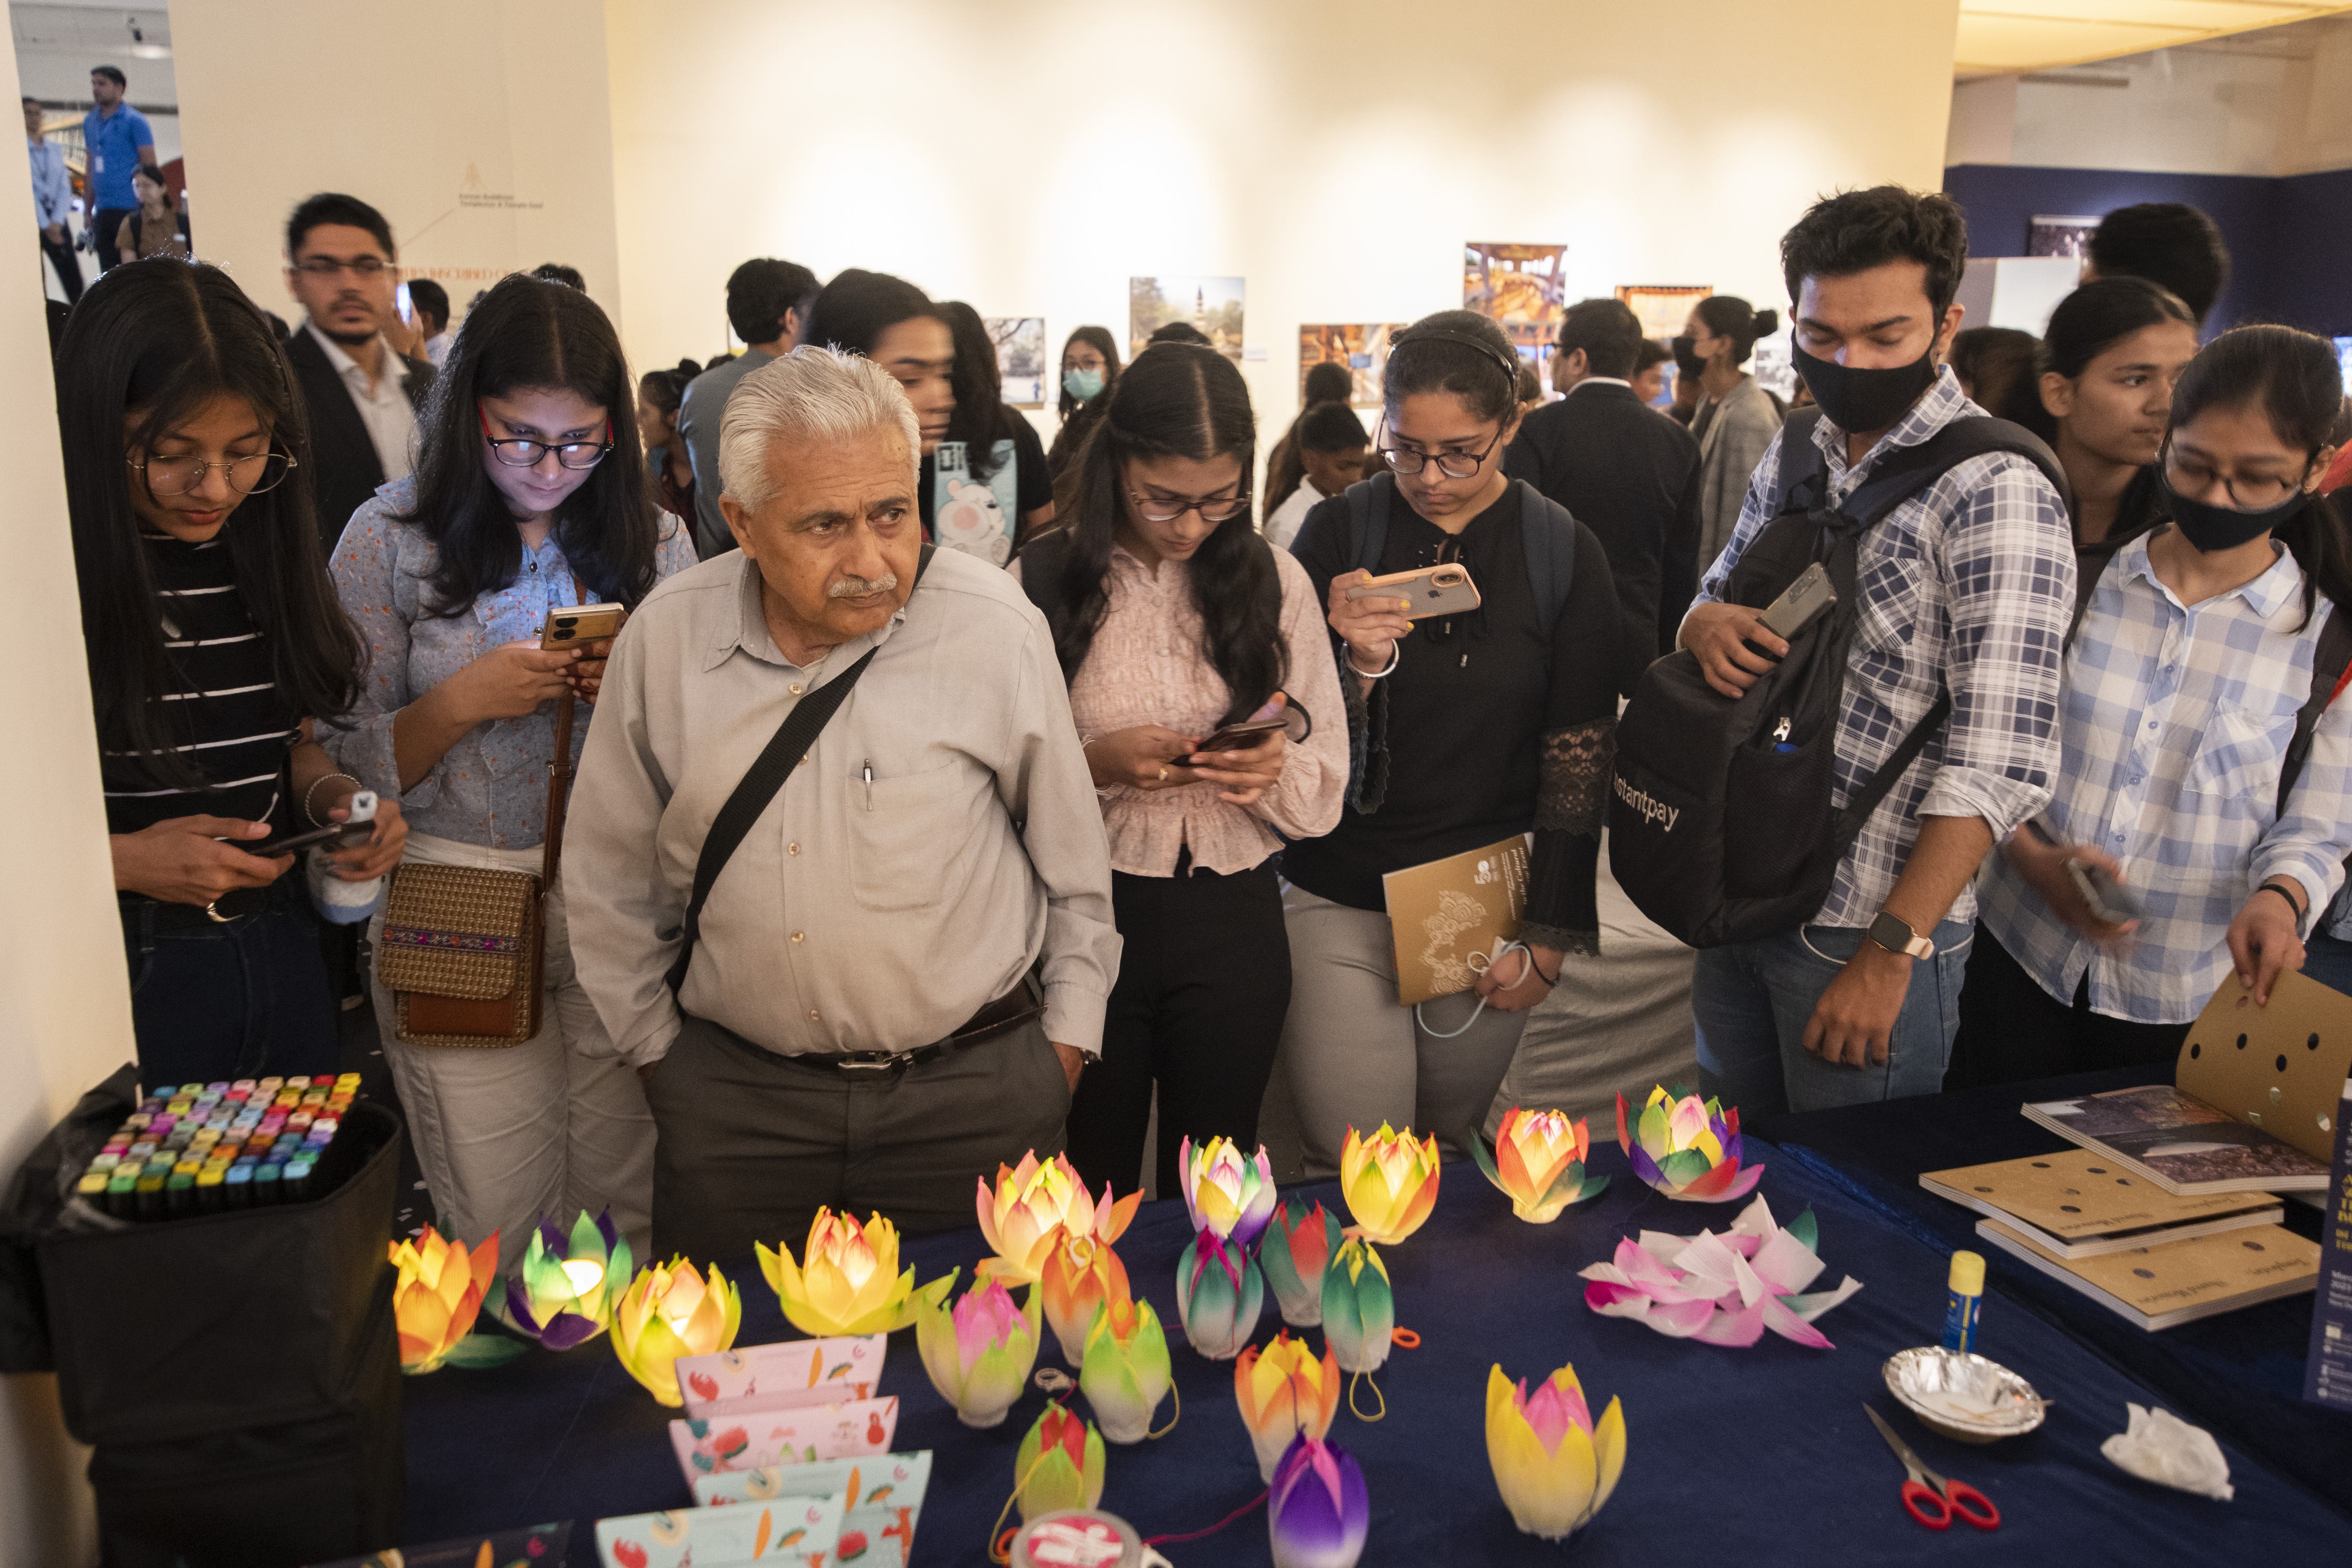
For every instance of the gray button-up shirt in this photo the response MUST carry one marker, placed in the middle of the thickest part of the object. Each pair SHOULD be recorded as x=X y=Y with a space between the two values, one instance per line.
x=858 y=914
x=699 y=413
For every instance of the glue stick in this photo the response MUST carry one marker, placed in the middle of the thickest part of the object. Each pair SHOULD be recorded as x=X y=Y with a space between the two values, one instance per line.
x=1966 y=1298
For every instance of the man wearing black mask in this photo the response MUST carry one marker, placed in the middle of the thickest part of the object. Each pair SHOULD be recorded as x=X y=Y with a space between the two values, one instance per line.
x=1965 y=592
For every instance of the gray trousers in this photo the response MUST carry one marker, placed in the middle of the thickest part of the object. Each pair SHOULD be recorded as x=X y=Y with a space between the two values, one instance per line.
x=1351 y=1056
x=751 y=1144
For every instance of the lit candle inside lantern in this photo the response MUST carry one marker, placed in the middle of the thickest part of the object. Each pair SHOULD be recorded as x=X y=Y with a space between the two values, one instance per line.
x=585 y=1275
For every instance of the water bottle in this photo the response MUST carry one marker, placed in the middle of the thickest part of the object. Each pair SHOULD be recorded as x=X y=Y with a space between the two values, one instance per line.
x=340 y=903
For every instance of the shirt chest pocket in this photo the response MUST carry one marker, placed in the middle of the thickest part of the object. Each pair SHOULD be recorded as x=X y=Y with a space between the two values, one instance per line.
x=2239 y=757
x=902 y=833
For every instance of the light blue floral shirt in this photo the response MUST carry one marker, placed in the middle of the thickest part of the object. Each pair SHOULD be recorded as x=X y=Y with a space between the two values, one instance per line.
x=490 y=788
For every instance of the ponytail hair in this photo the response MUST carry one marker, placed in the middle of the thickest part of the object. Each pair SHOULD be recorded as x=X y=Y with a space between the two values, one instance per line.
x=1729 y=316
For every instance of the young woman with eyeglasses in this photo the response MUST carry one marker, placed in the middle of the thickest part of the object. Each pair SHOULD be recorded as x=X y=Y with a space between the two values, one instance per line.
x=1173 y=618
x=2182 y=683
x=530 y=496
x=1466 y=730
x=216 y=651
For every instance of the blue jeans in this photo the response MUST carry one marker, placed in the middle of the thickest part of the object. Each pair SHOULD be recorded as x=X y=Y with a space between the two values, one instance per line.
x=1752 y=1000
x=237 y=1000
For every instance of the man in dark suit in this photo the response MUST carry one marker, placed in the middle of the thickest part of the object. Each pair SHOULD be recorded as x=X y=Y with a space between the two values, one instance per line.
x=363 y=395
x=1624 y=470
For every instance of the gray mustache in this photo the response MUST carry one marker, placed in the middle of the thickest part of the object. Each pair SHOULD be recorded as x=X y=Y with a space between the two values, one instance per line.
x=859 y=588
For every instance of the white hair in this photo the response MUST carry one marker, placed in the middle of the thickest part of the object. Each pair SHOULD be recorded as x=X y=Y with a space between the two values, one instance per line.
x=808 y=394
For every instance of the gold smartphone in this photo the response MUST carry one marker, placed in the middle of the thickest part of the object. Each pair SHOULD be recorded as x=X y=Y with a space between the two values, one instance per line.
x=582 y=624
x=1441 y=590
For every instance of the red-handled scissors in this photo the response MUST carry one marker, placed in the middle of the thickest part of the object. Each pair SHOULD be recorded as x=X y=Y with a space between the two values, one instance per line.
x=1928 y=1497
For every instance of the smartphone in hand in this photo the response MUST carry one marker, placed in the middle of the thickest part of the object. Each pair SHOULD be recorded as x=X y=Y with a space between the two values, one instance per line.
x=1242 y=736
x=582 y=625
x=1803 y=602
x=1441 y=590
x=2112 y=901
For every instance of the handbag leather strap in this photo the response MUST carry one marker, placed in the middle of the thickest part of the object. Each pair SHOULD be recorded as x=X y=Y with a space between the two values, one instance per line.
x=783 y=753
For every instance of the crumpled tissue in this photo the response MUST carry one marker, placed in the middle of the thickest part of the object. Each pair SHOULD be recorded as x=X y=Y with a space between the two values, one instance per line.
x=2162 y=1447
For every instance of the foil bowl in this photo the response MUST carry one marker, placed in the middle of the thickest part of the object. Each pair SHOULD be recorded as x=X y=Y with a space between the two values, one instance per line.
x=1962 y=1395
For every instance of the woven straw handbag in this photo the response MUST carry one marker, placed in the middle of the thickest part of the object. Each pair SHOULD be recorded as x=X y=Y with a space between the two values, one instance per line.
x=464 y=947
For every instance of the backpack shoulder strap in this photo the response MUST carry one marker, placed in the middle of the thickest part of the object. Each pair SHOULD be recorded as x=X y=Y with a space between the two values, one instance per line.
x=1905 y=473
x=1549 y=531
x=2329 y=661
x=1367 y=522
x=1801 y=473
x=1042 y=561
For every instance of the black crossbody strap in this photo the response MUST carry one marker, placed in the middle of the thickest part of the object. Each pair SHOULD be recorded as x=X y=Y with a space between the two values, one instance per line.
x=1857 y=810
x=783 y=753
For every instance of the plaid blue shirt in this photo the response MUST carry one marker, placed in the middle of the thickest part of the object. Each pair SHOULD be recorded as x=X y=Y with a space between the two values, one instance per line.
x=1966 y=587
x=2177 y=723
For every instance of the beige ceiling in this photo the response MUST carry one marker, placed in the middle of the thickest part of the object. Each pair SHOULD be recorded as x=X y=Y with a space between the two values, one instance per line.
x=2003 y=36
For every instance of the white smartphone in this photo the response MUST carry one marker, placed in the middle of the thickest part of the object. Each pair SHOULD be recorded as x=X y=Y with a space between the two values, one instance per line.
x=1799 y=603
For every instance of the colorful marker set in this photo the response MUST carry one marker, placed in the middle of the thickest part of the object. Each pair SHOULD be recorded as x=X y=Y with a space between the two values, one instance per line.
x=205 y=1147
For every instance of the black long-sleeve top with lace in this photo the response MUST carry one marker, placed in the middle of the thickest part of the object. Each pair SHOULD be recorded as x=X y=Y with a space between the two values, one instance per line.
x=1487 y=729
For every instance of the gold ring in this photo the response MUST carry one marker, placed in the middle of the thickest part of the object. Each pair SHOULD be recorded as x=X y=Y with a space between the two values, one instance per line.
x=1163 y=776
x=214 y=915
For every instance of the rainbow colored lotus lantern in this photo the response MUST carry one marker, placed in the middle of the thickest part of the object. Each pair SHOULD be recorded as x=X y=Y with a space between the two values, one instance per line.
x=979 y=1354
x=1688 y=1149
x=1224 y=1193
x=1317 y=1509
x=1059 y=1464
x=1080 y=1274
x=1283 y=1392
x=1553 y=1466
x=1359 y=1307
x=1389 y=1182
x=847 y=1282
x=1031 y=1202
x=569 y=1286
x=1219 y=1294
x=672 y=1312
x=436 y=1295
x=1126 y=1374
x=1294 y=1252
x=1538 y=1164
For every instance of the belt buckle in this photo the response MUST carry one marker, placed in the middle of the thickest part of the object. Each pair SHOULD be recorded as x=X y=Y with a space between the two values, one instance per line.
x=887 y=1064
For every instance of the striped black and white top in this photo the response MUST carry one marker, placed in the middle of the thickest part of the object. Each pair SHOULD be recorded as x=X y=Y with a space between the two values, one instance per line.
x=225 y=704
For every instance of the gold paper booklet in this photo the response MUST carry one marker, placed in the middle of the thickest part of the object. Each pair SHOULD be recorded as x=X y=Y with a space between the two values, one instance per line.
x=2077 y=1205
x=1444 y=914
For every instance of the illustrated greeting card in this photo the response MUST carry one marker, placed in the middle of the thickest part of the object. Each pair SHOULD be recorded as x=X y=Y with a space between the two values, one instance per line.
x=881 y=1498
x=860 y=1427
x=795 y=1532
x=787 y=1376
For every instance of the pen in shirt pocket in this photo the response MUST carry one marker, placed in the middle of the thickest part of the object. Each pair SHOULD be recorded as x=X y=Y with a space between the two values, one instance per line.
x=868 y=771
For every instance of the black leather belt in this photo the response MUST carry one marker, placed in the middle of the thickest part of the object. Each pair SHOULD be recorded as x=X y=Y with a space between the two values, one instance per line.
x=993 y=1022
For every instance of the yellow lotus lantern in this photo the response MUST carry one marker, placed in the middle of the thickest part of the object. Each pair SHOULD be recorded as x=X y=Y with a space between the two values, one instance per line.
x=669 y=1313
x=438 y=1294
x=1031 y=1201
x=1553 y=1464
x=1285 y=1391
x=1389 y=1182
x=847 y=1281
x=1080 y=1274
x=1538 y=1164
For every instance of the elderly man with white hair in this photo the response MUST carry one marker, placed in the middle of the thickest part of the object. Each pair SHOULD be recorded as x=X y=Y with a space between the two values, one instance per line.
x=840 y=886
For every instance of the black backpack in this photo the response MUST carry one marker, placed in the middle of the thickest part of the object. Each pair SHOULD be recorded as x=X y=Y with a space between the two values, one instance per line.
x=1721 y=828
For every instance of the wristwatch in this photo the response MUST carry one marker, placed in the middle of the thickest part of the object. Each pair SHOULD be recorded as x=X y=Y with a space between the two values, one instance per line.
x=1894 y=936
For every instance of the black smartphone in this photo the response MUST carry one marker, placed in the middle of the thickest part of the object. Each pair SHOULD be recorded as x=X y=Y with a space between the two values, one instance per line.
x=351 y=833
x=2112 y=901
x=1243 y=736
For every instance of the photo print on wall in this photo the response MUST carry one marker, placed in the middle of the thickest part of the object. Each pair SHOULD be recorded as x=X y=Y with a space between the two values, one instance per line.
x=1212 y=305
x=1518 y=286
x=1020 y=357
x=2055 y=235
x=1361 y=346
x=1661 y=307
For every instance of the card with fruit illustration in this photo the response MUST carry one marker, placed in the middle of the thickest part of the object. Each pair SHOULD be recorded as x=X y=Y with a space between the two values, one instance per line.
x=881 y=1498
x=793 y=1532
x=783 y=1376
x=846 y=1430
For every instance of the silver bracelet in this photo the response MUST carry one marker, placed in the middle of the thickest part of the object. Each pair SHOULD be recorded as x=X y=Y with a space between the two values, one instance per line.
x=313 y=790
x=1396 y=652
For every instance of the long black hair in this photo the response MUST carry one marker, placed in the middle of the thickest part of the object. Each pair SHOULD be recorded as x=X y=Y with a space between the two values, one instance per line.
x=980 y=421
x=853 y=311
x=530 y=333
x=2293 y=380
x=151 y=343
x=1179 y=400
x=1078 y=419
x=1099 y=339
x=2086 y=324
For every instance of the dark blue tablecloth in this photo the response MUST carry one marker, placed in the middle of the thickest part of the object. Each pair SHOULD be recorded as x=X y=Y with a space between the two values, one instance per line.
x=1757 y=1456
x=2239 y=1374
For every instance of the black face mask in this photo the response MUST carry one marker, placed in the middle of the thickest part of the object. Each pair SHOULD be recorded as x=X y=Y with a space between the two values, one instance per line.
x=1864 y=400
x=1687 y=360
x=2210 y=528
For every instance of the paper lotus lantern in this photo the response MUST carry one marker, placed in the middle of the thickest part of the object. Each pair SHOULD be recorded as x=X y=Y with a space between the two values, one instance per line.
x=1294 y=1252
x=1389 y=1182
x=1219 y=1294
x=1226 y=1192
x=1059 y=1464
x=1538 y=1164
x=980 y=1351
x=1080 y=1275
x=1031 y=1202
x=1283 y=1391
x=436 y=1295
x=1553 y=1466
x=1126 y=1374
x=847 y=1281
x=671 y=1312
x=1688 y=1149
x=1317 y=1510
x=568 y=1287
x=1725 y=1290
x=1359 y=1307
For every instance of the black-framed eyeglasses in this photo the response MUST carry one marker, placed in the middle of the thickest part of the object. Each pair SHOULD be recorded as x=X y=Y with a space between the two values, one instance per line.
x=329 y=267
x=1168 y=509
x=517 y=452
x=248 y=475
x=2247 y=492
x=1405 y=460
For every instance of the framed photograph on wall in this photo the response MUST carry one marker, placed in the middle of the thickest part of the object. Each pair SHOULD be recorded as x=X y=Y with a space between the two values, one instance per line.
x=1519 y=286
x=1361 y=346
x=2059 y=235
x=1663 y=308
x=1020 y=357
x=1211 y=305
x=1772 y=368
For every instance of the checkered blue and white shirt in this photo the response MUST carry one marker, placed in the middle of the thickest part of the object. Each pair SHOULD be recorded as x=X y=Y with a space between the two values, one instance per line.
x=2176 y=724
x=1968 y=586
